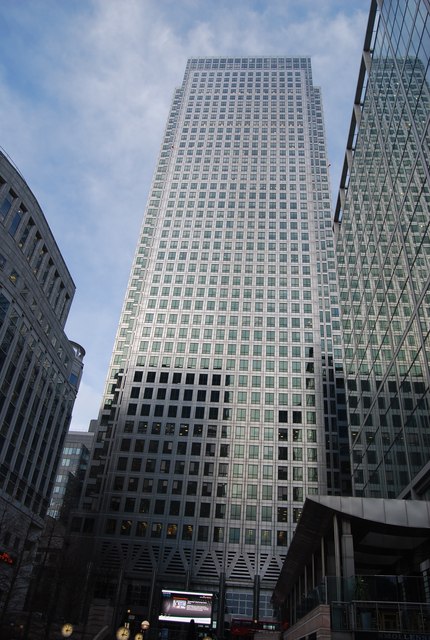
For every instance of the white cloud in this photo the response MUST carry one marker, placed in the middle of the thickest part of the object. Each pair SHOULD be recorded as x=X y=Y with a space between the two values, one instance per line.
x=84 y=122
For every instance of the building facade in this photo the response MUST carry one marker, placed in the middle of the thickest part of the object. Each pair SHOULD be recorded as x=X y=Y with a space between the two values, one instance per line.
x=383 y=239
x=70 y=472
x=224 y=402
x=40 y=371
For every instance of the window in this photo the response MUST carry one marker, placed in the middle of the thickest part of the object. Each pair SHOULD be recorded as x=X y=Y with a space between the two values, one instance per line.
x=250 y=536
x=281 y=538
x=189 y=508
x=203 y=533
x=218 y=534
x=234 y=535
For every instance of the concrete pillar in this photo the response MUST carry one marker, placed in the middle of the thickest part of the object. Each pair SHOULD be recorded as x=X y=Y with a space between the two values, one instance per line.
x=256 y=599
x=221 y=606
x=347 y=546
x=323 y=569
x=313 y=572
x=337 y=557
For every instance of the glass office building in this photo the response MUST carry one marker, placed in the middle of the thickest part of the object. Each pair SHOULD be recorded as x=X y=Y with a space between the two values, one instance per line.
x=40 y=372
x=71 y=470
x=224 y=403
x=383 y=247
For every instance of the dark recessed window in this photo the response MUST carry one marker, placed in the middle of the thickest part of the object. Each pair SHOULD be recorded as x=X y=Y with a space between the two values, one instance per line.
x=181 y=448
x=153 y=446
x=192 y=488
x=177 y=487
x=125 y=444
x=283 y=453
x=198 y=430
x=174 y=508
x=196 y=448
x=189 y=508
x=186 y=412
x=212 y=430
x=203 y=533
x=205 y=510
x=199 y=413
x=159 y=506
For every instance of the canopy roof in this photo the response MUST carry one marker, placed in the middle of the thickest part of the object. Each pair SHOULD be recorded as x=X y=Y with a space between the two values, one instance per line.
x=383 y=531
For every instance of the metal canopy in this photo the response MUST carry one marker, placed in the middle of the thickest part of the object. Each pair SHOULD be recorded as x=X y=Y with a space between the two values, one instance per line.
x=383 y=532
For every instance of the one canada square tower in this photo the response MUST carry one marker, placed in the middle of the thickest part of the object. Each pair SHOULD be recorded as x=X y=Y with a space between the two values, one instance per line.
x=224 y=400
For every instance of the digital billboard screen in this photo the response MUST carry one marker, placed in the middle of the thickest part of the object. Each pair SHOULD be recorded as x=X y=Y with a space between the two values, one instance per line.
x=184 y=606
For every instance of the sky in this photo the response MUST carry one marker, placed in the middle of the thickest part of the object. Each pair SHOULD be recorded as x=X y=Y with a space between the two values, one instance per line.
x=85 y=89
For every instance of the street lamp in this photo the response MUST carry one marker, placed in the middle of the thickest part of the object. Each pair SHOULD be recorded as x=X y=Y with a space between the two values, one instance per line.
x=66 y=630
x=144 y=626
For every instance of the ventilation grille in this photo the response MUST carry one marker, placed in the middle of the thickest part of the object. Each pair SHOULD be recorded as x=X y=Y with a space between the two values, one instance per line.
x=273 y=570
x=207 y=568
x=175 y=565
x=240 y=570
x=143 y=562
x=111 y=556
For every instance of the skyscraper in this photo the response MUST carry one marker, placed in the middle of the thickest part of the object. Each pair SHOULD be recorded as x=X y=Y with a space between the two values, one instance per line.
x=224 y=402
x=383 y=240
x=40 y=371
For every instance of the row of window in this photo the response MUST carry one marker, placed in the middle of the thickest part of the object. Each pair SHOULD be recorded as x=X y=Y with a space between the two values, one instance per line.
x=172 y=532
x=236 y=511
x=239 y=397
x=150 y=465
x=133 y=484
x=215 y=413
x=239 y=432
x=233 y=320
x=242 y=349
x=22 y=227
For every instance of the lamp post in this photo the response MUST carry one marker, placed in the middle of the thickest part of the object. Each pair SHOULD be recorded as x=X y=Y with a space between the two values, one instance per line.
x=144 y=626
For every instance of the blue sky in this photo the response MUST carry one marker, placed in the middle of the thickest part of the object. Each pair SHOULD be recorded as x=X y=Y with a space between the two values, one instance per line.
x=85 y=88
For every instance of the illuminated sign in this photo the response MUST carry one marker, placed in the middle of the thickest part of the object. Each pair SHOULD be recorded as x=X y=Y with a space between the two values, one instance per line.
x=184 y=606
x=6 y=557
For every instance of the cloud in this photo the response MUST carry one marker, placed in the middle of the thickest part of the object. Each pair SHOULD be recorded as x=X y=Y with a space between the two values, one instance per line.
x=84 y=99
